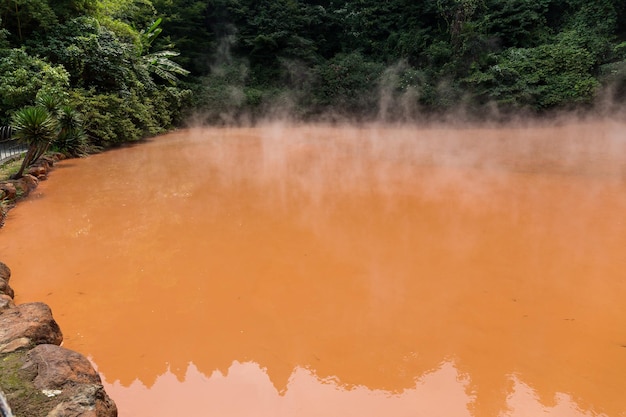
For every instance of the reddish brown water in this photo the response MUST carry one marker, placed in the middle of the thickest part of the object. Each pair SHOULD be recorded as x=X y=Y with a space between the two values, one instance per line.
x=317 y=271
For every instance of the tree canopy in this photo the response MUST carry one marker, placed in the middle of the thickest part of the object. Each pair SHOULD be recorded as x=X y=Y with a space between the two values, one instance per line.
x=535 y=55
x=147 y=63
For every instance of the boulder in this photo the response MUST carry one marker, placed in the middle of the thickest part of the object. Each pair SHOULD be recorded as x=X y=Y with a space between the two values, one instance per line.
x=6 y=303
x=71 y=376
x=5 y=289
x=52 y=158
x=32 y=322
x=29 y=181
x=5 y=272
x=9 y=190
x=20 y=186
x=16 y=344
x=55 y=367
x=86 y=401
x=5 y=275
x=37 y=170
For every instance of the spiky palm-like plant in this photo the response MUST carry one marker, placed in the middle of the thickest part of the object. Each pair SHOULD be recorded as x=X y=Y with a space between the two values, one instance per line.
x=50 y=102
x=69 y=118
x=72 y=139
x=73 y=142
x=37 y=128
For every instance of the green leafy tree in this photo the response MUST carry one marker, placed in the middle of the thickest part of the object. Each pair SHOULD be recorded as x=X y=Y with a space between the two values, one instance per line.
x=195 y=28
x=93 y=54
x=23 y=17
x=345 y=84
x=136 y=13
x=270 y=32
x=548 y=76
x=4 y=37
x=23 y=76
x=517 y=23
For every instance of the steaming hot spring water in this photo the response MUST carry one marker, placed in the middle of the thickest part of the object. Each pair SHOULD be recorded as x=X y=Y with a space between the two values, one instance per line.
x=340 y=271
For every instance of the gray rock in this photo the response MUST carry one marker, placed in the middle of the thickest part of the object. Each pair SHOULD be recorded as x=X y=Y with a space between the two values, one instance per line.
x=86 y=401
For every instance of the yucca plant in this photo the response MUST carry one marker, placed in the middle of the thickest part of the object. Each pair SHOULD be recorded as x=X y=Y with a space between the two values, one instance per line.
x=72 y=139
x=69 y=118
x=73 y=142
x=37 y=128
x=49 y=101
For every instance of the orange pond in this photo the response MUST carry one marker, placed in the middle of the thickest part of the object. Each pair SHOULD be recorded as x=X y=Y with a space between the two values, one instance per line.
x=323 y=271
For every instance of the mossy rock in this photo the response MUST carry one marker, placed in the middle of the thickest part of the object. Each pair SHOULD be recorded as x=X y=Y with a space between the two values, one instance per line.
x=24 y=399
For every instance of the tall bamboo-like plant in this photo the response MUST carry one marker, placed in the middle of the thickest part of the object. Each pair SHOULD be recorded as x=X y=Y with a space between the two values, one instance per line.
x=37 y=128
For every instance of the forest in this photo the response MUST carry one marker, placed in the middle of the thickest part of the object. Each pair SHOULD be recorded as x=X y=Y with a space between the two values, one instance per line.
x=112 y=71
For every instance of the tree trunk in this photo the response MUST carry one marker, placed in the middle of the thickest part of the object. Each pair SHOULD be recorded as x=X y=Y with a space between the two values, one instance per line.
x=28 y=159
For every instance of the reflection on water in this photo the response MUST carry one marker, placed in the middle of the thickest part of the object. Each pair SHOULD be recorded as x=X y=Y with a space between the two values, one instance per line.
x=245 y=387
x=323 y=270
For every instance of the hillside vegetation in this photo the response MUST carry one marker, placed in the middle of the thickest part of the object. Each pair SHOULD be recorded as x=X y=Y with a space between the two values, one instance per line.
x=134 y=68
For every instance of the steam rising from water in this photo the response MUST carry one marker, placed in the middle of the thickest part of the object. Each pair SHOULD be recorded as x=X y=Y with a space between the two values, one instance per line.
x=317 y=163
x=367 y=256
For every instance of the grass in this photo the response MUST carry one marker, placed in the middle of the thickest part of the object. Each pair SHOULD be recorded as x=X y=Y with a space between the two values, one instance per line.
x=9 y=168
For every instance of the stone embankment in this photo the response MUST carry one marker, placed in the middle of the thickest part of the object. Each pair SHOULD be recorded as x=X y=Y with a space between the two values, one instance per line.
x=38 y=377
x=13 y=190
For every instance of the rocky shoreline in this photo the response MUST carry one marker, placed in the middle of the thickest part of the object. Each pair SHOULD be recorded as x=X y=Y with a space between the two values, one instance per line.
x=12 y=190
x=38 y=377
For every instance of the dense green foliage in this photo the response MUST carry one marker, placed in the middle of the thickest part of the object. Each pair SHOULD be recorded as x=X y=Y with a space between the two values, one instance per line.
x=398 y=58
x=133 y=68
x=87 y=60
